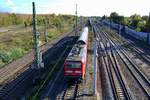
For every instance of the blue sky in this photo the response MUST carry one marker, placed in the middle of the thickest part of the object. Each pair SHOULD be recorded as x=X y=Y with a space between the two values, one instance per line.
x=85 y=7
x=42 y=6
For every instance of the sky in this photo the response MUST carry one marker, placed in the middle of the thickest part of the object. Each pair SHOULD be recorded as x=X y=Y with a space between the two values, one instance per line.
x=85 y=7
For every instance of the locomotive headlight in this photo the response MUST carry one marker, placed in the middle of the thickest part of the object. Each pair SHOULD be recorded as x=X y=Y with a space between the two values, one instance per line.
x=69 y=71
x=78 y=71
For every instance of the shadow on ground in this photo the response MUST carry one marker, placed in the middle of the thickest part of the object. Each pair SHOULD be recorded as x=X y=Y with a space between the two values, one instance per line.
x=24 y=82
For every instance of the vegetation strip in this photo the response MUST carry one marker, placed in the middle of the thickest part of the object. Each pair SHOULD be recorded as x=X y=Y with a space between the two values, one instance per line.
x=16 y=33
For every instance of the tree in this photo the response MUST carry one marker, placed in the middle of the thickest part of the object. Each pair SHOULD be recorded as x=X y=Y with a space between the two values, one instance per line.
x=40 y=20
x=135 y=20
x=14 y=19
x=141 y=26
x=145 y=18
x=103 y=17
x=25 y=24
x=126 y=21
x=57 y=22
x=115 y=17
x=120 y=19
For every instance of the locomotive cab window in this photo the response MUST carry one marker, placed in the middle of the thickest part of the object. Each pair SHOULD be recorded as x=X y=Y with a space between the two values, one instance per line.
x=73 y=65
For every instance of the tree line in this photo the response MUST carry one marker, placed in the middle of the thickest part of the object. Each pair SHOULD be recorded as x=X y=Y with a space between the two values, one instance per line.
x=58 y=21
x=135 y=21
x=22 y=43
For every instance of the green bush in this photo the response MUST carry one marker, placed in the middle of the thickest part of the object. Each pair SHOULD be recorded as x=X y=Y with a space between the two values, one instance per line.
x=5 y=57
x=1 y=63
x=16 y=53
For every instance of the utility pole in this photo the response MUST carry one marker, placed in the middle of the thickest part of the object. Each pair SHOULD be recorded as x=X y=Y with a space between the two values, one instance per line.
x=119 y=30
x=110 y=24
x=36 y=38
x=76 y=21
x=148 y=29
x=81 y=21
x=46 y=27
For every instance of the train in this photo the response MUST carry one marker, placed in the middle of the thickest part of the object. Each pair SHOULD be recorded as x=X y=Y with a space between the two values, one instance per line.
x=75 y=63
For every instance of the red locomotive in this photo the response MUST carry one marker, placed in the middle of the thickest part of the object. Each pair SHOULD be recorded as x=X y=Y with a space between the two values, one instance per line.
x=75 y=63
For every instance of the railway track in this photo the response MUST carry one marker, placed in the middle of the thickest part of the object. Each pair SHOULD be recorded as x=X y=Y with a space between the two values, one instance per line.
x=140 y=53
x=136 y=73
x=141 y=80
x=68 y=90
x=119 y=88
x=71 y=92
x=61 y=89
x=65 y=91
x=15 y=68
x=9 y=90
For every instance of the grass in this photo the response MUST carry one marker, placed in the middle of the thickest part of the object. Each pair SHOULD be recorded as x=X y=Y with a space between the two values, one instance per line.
x=91 y=72
x=17 y=42
x=91 y=38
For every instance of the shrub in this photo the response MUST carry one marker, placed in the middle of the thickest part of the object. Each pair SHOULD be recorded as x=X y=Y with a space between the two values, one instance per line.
x=5 y=57
x=16 y=53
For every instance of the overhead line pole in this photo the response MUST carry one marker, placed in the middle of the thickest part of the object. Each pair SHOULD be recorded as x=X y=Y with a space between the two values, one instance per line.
x=46 y=27
x=76 y=21
x=81 y=21
x=36 y=44
x=148 y=33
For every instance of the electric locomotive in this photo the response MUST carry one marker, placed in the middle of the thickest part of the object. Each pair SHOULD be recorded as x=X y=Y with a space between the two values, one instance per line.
x=75 y=63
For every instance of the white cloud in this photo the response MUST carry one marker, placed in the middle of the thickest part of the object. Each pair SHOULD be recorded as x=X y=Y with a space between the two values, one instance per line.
x=85 y=7
x=96 y=7
x=9 y=2
x=11 y=5
x=123 y=7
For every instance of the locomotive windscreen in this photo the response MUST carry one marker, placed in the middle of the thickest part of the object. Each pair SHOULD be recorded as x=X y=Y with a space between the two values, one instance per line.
x=73 y=64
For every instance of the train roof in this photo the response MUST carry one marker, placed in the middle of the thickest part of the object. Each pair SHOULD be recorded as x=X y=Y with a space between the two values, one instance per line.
x=84 y=36
x=76 y=53
x=79 y=49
